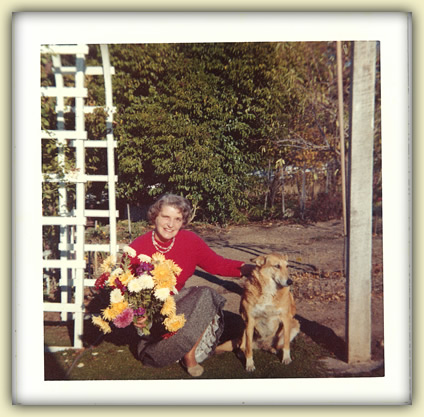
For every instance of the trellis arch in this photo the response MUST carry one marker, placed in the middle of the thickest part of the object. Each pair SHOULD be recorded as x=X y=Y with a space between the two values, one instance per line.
x=72 y=247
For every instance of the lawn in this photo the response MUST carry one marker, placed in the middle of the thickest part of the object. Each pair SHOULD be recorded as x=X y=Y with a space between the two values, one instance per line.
x=109 y=360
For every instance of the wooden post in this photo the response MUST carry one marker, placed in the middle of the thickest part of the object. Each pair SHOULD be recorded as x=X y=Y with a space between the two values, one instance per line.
x=96 y=266
x=341 y=128
x=360 y=203
x=129 y=220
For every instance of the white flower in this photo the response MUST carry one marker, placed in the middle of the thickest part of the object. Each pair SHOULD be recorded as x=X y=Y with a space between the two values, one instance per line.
x=144 y=258
x=135 y=285
x=162 y=293
x=130 y=251
x=146 y=282
x=116 y=296
x=117 y=272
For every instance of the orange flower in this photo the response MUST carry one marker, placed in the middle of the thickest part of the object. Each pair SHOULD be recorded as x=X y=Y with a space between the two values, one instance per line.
x=163 y=277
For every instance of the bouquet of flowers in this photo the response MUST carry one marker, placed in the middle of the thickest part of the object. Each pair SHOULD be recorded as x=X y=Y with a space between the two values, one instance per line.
x=140 y=286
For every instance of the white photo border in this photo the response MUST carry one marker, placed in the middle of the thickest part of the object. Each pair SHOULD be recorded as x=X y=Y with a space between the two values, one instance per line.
x=391 y=29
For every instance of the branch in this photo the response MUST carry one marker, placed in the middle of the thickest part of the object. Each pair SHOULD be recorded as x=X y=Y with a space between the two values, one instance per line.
x=303 y=144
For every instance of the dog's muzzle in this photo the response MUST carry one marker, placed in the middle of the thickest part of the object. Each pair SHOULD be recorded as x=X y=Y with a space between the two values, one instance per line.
x=289 y=282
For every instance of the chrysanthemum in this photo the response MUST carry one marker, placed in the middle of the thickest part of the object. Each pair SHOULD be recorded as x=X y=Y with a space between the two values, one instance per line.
x=135 y=285
x=173 y=267
x=116 y=272
x=101 y=281
x=126 y=277
x=174 y=322
x=108 y=264
x=116 y=296
x=169 y=307
x=158 y=258
x=163 y=277
x=124 y=319
x=130 y=251
x=111 y=280
x=144 y=258
x=118 y=308
x=147 y=282
x=109 y=313
x=103 y=325
x=162 y=293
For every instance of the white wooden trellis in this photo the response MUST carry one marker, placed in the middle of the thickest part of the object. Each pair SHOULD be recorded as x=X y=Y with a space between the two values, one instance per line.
x=72 y=246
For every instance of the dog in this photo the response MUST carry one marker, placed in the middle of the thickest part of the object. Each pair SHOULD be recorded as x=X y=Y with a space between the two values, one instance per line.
x=267 y=307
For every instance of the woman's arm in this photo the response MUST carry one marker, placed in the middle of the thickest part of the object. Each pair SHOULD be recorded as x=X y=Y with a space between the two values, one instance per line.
x=216 y=264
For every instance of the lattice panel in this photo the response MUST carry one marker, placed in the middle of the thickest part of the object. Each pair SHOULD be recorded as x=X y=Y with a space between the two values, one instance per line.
x=71 y=223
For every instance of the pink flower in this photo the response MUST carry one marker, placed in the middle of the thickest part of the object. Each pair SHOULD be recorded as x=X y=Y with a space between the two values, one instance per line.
x=124 y=319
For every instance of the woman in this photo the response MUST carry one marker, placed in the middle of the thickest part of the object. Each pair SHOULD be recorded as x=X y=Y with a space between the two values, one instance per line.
x=201 y=306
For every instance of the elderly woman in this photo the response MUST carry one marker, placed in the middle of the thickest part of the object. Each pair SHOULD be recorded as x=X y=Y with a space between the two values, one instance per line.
x=201 y=306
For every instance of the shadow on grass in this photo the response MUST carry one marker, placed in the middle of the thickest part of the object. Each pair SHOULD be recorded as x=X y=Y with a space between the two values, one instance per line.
x=324 y=337
x=53 y=370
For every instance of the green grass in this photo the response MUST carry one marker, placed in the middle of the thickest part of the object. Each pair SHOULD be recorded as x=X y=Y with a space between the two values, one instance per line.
x=111 y=361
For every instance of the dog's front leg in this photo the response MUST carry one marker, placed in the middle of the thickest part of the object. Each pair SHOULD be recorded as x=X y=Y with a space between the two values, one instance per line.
x=248 y=345
x=286 y=336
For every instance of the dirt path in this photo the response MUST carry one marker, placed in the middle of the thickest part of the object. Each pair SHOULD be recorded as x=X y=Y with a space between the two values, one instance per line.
x=316 y=261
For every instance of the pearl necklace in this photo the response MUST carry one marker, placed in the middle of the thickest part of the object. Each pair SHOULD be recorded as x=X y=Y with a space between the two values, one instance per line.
x=160 y=248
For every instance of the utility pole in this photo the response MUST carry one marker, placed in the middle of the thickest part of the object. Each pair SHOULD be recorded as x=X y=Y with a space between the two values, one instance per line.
x=360 y=203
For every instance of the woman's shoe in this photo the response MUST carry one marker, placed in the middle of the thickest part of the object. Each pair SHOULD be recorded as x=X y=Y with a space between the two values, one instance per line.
x=195 y=371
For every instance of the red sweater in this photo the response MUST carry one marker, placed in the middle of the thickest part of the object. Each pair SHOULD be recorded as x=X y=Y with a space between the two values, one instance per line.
x=190 y=251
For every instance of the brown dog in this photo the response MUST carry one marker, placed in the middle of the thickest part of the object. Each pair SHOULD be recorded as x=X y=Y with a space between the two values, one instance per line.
x=268 y=309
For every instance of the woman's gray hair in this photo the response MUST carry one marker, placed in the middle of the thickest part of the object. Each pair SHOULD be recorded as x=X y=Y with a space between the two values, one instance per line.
x=176 y=201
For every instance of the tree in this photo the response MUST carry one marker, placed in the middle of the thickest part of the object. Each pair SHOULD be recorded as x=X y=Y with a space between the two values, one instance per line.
x=189 y=120
x=305 y=132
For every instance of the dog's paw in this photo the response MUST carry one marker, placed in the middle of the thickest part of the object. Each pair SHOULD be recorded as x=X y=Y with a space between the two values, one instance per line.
x=286 y=357
x=250 y=366
x=286 y=361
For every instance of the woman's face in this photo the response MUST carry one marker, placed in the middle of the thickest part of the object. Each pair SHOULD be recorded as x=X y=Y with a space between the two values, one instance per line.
x=168 y=223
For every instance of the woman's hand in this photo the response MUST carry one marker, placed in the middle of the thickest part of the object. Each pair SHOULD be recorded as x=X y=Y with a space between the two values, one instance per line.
x=140 y=323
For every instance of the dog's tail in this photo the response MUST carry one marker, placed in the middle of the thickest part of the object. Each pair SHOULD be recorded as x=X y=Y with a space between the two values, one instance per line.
x=228 y=346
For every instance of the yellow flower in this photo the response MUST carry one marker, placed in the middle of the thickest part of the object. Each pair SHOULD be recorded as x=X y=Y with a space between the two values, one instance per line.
x=126 y=277
x=173 y=267
x=115 y=274
x=107 y=264
x=174 y=322
x=169 y=307
x=118 y=308
x=109 y=314
x=158 y=258
x=163 y=277
x=103 y=325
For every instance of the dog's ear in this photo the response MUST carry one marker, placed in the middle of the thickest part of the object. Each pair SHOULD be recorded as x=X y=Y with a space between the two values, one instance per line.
x=259 y=260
